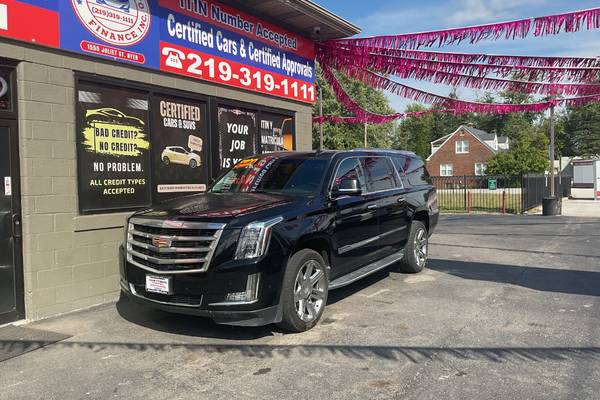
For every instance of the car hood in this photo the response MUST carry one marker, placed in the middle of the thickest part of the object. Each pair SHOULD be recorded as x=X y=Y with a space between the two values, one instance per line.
x=215 y=207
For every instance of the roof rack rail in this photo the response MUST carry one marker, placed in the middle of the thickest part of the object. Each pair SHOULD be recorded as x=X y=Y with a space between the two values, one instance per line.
x=404 y=152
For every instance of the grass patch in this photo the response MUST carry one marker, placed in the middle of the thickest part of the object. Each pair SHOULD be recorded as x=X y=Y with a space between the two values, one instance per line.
x=488 y=202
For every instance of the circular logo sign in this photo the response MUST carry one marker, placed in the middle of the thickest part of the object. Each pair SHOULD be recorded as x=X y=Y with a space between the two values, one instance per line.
x=3 y=87
x=118 y=22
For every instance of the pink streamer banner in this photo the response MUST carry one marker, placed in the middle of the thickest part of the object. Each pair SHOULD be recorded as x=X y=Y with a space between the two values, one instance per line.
x=376 y=119
x=396 y=65
x=491 y=59
x=460 y=106
x=446 y=104
x=519 y=29
x=494 y=84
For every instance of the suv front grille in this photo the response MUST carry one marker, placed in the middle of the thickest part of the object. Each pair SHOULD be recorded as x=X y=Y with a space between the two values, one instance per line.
x=172 y=247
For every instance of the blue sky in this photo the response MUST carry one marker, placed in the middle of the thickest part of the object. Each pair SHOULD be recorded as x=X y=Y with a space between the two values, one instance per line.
x=380 y=17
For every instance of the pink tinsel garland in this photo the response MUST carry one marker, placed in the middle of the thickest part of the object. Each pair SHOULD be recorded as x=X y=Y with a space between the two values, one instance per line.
x=460 y=106
x=519 y=29
x=477 y=82
x=396 y=65
x=447 y=104
x=375 y=118
x=491 y=59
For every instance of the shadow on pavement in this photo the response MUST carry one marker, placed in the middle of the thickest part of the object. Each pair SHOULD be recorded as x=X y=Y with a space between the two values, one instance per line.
x=543 y=279
x=513 y=250
x=414 y=354
x=180 y=324
x=186 y=325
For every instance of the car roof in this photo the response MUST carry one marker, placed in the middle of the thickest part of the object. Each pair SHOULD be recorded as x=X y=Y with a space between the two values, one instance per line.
x=329 y=154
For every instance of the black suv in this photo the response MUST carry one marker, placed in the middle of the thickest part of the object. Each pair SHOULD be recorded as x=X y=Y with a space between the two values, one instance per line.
x=275 y=233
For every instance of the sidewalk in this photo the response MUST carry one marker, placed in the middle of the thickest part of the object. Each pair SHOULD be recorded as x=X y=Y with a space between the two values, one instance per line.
x=581 y=208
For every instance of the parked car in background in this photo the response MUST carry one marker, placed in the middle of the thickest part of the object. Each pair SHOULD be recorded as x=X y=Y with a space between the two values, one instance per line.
x=277 y=232
x=179 y=155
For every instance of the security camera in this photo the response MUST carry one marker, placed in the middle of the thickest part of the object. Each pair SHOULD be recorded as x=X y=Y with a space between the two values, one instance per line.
x=316 y=31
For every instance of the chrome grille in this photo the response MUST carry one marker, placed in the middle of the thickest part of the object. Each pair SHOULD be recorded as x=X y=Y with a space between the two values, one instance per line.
x=172 y=247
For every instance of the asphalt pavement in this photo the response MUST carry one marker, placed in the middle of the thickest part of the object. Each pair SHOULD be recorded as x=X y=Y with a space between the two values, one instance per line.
x=509 y=309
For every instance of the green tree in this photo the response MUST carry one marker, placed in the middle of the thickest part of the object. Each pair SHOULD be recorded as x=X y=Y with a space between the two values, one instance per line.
x=349 y=136
x=581 y=131
x=526 y=156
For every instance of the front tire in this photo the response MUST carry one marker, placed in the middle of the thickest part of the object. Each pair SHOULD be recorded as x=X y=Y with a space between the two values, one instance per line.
x=416 y=252
x=304 y=292
x=193 y=164
x=166 y=160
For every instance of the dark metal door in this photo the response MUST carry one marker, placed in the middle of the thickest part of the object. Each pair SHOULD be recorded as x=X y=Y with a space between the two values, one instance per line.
x=11 y=273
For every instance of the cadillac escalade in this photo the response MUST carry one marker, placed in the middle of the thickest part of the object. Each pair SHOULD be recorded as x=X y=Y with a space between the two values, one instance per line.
x=274 y=234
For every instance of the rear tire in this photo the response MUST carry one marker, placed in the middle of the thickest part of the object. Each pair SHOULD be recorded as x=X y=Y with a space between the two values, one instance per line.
x=166 y=160
x=416 y=252
x=304 y=291
x=193 y=164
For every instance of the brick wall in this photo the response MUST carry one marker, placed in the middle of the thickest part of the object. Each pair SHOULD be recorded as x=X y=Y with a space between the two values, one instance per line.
x=464 y=164
x=70 y=261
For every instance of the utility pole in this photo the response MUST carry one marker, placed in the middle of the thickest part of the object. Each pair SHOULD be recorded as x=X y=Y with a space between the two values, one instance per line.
x=366 y=140
x=321 y=116
x=552 y=185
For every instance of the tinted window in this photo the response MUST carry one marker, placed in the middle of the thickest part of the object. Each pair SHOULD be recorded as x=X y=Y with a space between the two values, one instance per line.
x=349 y=169
x=379 y=173
x=402 y=163
x=417 y=174
x=291 y=175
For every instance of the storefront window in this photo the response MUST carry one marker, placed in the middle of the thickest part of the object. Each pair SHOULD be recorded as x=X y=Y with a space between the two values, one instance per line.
x=237 y=131
x=276 y=132
x=6 y=95
x=179 y=141
x=113 y=148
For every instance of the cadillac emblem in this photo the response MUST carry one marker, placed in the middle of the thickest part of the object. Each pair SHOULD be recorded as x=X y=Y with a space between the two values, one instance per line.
x=161 y=242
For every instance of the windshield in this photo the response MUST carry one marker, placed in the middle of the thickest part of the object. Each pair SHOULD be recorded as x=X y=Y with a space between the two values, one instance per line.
x=288 y=175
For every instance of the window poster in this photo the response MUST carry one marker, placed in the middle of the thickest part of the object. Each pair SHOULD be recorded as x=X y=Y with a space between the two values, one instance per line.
x=237 y=131
x=113 y=149
x=6 y=99
x=179 y=147
x=276 y=132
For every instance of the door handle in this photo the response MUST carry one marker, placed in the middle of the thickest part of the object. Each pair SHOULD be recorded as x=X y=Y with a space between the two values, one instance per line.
x=17 y=228
x=401 y=199
x=372 y=207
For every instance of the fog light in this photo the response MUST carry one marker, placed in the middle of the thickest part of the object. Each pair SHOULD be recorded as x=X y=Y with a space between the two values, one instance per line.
x=249 y=296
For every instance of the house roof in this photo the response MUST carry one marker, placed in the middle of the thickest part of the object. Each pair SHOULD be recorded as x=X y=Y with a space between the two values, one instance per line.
x=480 y=135
x=441 y=140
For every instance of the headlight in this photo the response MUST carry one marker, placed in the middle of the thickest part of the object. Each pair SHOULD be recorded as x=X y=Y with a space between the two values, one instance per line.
x=255 y=238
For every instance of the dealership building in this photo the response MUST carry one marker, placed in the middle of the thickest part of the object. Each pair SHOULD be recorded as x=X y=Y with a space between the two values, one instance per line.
x=107 y=106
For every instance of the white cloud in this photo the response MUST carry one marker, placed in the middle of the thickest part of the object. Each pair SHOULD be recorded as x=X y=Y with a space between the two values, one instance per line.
x=487 y=10
x=394 y=21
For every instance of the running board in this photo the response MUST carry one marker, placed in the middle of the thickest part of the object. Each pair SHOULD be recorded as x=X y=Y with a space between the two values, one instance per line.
x=365 y=271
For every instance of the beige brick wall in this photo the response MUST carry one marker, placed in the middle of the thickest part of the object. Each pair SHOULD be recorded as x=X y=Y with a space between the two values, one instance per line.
x=70 y=261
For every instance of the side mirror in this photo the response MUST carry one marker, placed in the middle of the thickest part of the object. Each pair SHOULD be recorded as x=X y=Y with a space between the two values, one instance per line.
x=348 y=187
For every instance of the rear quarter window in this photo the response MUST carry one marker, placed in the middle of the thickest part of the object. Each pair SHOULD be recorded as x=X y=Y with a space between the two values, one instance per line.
x=412 y=169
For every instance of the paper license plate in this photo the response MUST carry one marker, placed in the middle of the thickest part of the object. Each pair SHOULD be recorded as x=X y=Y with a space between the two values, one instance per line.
x=158 y=284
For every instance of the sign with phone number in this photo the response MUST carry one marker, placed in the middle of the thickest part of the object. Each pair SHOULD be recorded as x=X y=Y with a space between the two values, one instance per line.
x=192 y=63
x=202 y=39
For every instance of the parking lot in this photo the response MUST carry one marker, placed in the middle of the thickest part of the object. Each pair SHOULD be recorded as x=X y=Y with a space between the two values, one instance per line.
x=509 y=308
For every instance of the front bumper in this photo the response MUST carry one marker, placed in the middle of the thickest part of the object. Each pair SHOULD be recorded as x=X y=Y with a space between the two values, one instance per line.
x=203 y=294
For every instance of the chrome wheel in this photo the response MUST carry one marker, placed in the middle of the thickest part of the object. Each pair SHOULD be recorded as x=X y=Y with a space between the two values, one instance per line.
x=309 y=291
x=421 y=247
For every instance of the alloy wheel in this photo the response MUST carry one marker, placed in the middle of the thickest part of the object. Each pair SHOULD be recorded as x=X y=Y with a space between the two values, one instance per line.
x=421 y=247
x=309 y=291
